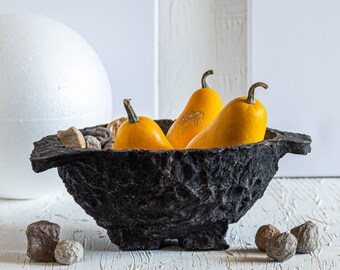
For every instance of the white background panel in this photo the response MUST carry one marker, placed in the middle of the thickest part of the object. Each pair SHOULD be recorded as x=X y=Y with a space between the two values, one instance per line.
x=294 y=47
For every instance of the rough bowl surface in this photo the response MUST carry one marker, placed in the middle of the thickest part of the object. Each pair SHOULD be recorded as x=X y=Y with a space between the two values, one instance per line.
x=144 y=197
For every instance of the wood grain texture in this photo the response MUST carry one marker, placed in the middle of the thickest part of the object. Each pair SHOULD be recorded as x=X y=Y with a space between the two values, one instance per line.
x=286 y=203
x=195 y=36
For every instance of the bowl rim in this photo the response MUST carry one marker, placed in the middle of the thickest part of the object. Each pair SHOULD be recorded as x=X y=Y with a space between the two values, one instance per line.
x=50 y=150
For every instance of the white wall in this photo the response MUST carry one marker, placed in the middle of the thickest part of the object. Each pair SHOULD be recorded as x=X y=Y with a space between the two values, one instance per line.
x=195 y=36
x=295 y=49
x=122 y=33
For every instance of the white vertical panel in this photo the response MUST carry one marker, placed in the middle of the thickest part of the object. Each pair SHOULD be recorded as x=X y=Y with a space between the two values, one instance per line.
x=195 y=36
x=295 y=49
x=156 y=59
x=123 y=35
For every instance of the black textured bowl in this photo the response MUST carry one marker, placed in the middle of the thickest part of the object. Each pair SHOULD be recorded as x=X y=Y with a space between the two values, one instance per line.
x=143 y=197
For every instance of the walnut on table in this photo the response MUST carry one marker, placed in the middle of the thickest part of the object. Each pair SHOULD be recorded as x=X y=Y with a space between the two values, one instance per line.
x=263 y=234
x=281 y=247
x=68 y=252
x=307 y=235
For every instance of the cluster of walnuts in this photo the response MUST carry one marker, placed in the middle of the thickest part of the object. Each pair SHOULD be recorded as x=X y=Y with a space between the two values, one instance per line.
x=282 y=246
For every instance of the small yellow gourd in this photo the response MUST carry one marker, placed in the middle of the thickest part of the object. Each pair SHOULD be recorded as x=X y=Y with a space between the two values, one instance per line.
x=242 y=121
x=201 y=109
x=140 y=133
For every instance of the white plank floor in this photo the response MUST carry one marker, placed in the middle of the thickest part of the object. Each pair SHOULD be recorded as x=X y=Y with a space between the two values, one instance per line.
x=286 y=203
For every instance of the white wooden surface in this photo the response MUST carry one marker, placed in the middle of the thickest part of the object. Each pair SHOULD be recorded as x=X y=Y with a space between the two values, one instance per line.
x=286 y=203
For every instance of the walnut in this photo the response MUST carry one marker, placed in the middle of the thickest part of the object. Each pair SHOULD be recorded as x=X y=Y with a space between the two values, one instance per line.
x=42 y=238
x=68 y=252
x=102 y=134
x=108 y=145
x=72 y=137
x=281 y=247
x=92 y=142
x=264 y=233
x=115 y=125
x=307 y=235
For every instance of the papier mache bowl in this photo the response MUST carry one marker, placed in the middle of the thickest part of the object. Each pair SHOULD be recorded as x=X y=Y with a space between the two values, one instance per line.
x=144 y=198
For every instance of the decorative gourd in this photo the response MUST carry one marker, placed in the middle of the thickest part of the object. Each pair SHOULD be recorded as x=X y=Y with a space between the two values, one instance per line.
x=201 y=109
x=242 y=121
x=140 y=132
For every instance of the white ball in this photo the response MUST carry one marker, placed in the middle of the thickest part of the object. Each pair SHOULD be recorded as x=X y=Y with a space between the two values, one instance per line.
x=50 y=79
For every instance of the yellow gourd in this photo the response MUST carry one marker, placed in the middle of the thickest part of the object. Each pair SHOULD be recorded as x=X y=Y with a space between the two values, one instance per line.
x=201 y=109
x=242 y=121
x=140 y=133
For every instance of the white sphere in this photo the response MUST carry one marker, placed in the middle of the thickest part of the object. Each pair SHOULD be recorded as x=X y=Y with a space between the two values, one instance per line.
x=50 y=79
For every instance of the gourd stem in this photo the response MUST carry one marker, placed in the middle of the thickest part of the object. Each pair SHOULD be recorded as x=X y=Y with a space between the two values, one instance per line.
x=251 y=93
x=204 y=76
x=133 y=118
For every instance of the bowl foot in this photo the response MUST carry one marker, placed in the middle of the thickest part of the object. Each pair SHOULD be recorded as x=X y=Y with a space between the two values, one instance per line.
x=129 y=241
x=211 y=238
x=207 y=238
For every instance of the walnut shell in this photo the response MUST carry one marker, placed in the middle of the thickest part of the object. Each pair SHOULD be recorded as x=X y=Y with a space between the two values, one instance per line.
x=263 y=234
x=92 y=142
x=72 y=137
x=115 y=125
x=307 y=235
x=42 y=238
x=102 y=134
x=281 y=247
x=68 y=252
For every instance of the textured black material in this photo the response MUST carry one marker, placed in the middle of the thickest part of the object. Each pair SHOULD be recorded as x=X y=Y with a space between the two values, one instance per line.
x=143 y=197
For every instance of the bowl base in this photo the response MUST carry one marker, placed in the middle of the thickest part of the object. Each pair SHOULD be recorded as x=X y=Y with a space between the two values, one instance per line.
x=207 y=238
